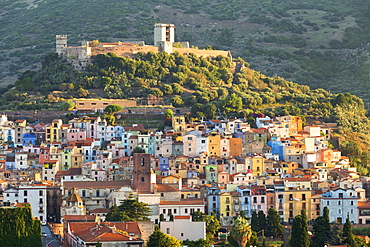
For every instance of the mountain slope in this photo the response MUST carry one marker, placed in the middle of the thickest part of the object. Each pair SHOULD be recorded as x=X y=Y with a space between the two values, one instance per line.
x=317 y=43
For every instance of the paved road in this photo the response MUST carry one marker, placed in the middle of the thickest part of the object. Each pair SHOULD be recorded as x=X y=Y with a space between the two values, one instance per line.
x=49 y=239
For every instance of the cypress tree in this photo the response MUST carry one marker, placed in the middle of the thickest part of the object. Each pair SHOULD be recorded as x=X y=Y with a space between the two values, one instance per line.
x=299 y=236
x=254 y=222
x=321 y=229
x=274 y=227
x=262 y=223
x=347 y=230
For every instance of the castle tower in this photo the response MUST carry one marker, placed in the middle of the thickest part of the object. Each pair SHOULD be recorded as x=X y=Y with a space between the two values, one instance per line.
x=60 y=43
x=142 y=181
x=164 y=33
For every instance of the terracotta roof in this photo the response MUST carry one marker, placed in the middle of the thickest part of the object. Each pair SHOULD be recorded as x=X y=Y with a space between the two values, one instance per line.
x=113 y=237
x=183 y=202
x=81 y=218
x=100 y=211
x=181 y=217
x=97 y=184
x=166 y=188
x=363 y=205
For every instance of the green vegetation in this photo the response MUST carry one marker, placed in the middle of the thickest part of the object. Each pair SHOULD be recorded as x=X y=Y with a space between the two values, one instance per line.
x=18 y=228
x=317 y=43
x=212 y=223
x=160 y=239
x=299 y=236
x=129 y=210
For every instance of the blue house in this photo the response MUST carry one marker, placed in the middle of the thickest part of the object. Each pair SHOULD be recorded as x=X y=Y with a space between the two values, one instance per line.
x=164 y=164
x=29 y=138
x=277 y=147
x=246 y=202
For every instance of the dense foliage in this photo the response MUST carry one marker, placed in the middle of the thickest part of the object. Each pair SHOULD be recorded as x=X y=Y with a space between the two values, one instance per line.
x=299 y=235
x=160 y=239
x=18 y=228
x=129 y=210
x=317 y=43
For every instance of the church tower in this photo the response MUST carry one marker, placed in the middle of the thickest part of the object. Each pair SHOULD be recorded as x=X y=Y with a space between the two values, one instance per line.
x=74 y=205
x=142 y=176
x=60 y=43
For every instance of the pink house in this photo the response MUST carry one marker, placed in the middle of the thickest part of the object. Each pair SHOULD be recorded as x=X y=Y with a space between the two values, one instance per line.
x=76 y=134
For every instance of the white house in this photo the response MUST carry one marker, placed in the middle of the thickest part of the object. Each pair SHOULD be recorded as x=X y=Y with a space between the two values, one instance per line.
x=341 y=202
x=35 y=195
x=182 y=228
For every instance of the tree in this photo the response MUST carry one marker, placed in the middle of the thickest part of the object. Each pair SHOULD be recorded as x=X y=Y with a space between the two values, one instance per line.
x=335 y=235
x=321 y=229
x=138 y=150
x=212 y=223
x=299 y=236
x=111 y=109
x=254 y=222
x=68 y=105
x=160 y=239
x=129 y=210
x=232 y=103
x=168 y=114
x=18 y=228
x=177 y=101
x=241 y=231
x=167 y=89
x=262 y=223
x=347 y=232
x=274 y=227
x=198 y=243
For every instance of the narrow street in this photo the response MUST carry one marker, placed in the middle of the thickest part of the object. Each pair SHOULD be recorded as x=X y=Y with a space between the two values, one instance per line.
x=49 y=240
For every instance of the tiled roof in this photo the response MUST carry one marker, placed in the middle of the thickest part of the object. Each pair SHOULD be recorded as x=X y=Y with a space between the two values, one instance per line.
x=183 y=202
x=82 y=218
x=100 y=211
x=97 y=184
x=166 y=188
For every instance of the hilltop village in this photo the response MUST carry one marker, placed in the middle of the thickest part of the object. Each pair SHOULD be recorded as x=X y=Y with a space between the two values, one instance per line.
x=72 y=173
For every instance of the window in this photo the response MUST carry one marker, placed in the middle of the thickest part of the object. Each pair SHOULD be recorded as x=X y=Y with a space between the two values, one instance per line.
x=262 y=200
x=25 y=193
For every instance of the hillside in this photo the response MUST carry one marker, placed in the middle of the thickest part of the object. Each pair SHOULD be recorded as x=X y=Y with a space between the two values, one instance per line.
x=317 y=43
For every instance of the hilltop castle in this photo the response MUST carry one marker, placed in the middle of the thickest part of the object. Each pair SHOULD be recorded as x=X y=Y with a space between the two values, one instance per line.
x=164 y=38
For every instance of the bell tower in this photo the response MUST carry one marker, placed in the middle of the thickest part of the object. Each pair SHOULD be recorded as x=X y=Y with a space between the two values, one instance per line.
x=142 y=174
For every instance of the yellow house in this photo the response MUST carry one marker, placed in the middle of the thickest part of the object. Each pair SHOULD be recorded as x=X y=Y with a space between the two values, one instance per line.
x=258 y=165
x=214 y=147
x=77 y=160
x=178 y=123
x=53 y=130
x=188 y=192
x=225 y=204
x=288 y=167
x=296 y=197
x=294 y=201
x=315 y=207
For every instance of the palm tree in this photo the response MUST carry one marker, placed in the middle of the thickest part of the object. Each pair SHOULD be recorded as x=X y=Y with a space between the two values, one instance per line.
x=241 y=231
